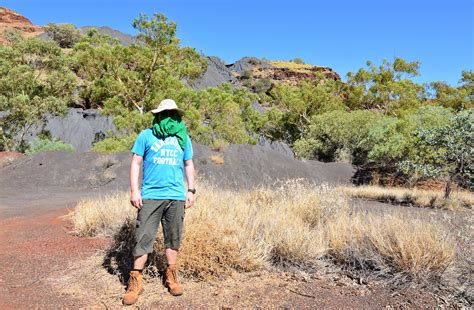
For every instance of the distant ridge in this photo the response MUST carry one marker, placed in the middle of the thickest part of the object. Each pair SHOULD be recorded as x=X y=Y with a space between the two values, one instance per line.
x=124 y=38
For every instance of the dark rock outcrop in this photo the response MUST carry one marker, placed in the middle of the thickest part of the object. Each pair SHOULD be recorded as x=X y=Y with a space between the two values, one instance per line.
x=216 y=74
x=247 y=64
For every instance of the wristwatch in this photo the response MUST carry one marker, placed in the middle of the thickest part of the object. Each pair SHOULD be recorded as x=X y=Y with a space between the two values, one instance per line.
x=192 y=190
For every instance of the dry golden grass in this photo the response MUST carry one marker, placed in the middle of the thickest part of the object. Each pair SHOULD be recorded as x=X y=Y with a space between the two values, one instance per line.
x=407 y=246
x=417 y=197
x=294 y=223
x=217 y=159
x=103 y=217
x=292 y=65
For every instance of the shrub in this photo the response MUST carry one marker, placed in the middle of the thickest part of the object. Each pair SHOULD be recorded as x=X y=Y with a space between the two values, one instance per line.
x=45 y=144
x=298 y=61
x=391 y=140
x=338 y=134
x=66 y=35
x=114 y=144
x=262 y=85
x=445 y=152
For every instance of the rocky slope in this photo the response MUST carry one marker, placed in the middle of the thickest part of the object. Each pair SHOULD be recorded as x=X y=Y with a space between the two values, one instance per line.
x=258 y=74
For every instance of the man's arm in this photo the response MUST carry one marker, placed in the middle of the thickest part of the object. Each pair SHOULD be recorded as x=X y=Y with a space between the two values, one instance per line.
x=189 y=170
x=135 y=195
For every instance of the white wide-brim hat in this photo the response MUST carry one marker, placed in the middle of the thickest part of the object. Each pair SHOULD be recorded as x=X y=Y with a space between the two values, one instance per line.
x=167 y=104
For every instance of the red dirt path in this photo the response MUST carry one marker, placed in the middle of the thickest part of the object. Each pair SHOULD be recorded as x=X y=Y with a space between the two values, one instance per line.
x=33 y=248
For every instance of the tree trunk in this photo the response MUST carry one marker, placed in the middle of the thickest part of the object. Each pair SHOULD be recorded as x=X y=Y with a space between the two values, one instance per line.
x=447 y=190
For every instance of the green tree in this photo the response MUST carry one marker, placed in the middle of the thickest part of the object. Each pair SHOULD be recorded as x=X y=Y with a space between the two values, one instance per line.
x=446 y=152
x=66 y=35
x=299 y=103
x=392 y=140
x=35 y=82
x=128 y=81
x=338 y=135
x=387 y=88
x=461 y=97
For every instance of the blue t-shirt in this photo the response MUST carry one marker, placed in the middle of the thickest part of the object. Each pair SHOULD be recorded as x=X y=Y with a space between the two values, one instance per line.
x=163 y=165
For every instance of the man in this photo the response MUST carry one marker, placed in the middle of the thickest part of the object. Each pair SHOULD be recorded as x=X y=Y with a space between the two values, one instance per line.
x=166 y=153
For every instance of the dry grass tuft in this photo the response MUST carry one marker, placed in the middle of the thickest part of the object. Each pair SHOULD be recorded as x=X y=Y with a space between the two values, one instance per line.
x=217 y=159
x=292 y=224
x=404 y=246
x=416 y=197
x=102 y=217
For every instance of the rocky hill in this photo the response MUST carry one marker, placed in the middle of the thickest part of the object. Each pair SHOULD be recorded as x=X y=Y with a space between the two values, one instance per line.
x=12 y=20
x=259 y=74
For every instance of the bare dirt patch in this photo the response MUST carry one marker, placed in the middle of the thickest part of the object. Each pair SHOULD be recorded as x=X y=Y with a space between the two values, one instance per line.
x=32 y=249
x=263 y=289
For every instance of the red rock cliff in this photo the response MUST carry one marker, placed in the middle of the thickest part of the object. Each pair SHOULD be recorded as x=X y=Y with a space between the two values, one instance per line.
x=11 y=20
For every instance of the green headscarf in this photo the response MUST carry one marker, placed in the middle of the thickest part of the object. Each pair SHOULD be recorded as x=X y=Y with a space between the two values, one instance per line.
x=170 y=125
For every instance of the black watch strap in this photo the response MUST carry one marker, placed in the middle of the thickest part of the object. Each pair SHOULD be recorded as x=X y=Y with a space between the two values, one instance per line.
x=192 y=190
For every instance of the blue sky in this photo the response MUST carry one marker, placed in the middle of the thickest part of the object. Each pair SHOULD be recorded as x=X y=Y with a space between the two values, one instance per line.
x=340 y=34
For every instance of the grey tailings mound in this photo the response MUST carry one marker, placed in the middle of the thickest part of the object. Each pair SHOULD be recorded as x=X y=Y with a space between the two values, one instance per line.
x=245 y=167
x=216 y=74
x=78 y=127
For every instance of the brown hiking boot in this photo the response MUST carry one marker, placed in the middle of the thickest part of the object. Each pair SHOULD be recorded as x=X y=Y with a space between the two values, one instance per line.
x=174 y=287
x=135 y=288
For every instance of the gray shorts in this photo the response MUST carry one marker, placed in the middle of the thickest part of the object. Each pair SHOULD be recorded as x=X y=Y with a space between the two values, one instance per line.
x=171 y=215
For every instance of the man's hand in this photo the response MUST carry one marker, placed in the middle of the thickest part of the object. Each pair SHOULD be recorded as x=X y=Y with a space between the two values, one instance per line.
x=136 y=200
x=190 y=198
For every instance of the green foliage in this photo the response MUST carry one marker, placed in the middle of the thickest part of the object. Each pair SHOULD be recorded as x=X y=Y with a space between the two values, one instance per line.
x=445 y=151
x=224 y=110
x=392 y=140
x=115 y=144
x=34 y=82
x=338 y=135
x=46 y=144
x=299 y=103
x=130 y=81
x=387 y=88
x=12 y=35
x=95 y=38
x=66 y=35
x=458 y=98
